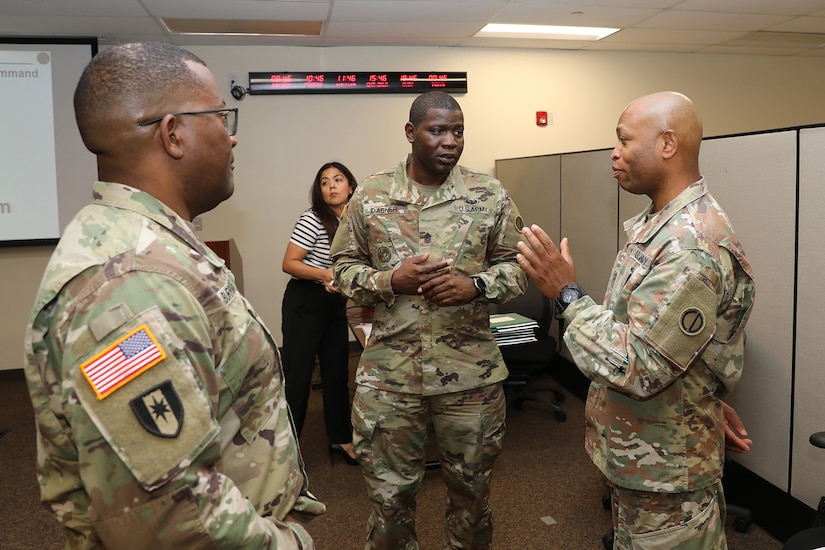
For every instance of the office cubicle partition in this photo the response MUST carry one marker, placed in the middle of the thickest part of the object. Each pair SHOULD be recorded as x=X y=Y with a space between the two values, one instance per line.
x=772 y=185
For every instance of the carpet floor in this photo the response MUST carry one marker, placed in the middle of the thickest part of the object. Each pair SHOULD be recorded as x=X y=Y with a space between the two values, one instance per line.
x=546 y=494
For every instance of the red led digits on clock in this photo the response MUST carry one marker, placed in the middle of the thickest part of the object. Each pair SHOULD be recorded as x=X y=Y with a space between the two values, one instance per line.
x=314 y=80
x=408 y=80
x=438 y=80
x=346 y=81
x=377 y=81
x=280 y=80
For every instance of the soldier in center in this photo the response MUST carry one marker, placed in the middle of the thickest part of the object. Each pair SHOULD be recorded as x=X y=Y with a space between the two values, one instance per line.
x=429 y=244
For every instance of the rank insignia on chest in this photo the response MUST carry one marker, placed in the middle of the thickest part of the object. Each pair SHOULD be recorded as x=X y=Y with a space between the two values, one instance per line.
x=159 y=410
x=122 y=361
x=383 y=254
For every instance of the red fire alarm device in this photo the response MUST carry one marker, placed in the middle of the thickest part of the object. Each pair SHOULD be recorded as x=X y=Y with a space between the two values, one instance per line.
x=541 y=118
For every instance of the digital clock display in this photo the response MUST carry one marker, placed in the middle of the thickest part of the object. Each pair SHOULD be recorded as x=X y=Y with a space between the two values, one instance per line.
x=266 y=83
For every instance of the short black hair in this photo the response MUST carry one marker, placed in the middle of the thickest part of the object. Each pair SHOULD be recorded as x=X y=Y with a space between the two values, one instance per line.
x=431 y=100
x=127 y=78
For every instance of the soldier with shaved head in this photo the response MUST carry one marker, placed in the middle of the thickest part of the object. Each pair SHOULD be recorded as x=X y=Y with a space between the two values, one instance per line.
x=667 y=342
x=157 y=389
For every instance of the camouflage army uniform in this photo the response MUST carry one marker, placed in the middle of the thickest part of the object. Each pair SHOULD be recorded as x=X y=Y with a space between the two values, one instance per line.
x=423 y=360
x=666 y=344
x=157 y=391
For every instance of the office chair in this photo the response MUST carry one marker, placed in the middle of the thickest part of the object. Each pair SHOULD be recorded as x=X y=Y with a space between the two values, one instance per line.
x=742 y=517
x=526 y=360
x=813 y=537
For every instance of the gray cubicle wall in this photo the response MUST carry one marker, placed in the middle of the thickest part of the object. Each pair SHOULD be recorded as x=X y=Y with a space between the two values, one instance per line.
x=756 y=178
x=808 y=481
x=590 y=199
x=535 y=185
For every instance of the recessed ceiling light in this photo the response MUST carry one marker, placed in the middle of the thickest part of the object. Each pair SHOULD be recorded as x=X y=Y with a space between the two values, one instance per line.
x=547 y=32
x=239 y=27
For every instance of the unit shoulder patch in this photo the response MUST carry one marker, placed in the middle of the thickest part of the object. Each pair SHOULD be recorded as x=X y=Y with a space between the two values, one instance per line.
x=159 y=410
x=685 y=323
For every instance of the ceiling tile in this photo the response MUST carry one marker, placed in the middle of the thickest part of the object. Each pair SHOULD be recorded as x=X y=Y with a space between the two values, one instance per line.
x=573 y=5
x=437 y=33
x=769 y=7
x=239 y=9
x=710 y=21
x=801 y=24
x=414 y=10
x=525 y=43
x=647 y=25
x=662 y=36
x=548 y=13
x=750 y=50
x=81 y=26
x=641 y=47
x=101 y=8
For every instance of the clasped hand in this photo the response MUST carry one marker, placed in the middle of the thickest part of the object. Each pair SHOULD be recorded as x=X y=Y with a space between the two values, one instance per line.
x=433 y=281
x=329 y=282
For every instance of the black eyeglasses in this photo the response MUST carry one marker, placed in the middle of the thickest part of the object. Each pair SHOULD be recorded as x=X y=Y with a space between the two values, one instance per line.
x=229 y=115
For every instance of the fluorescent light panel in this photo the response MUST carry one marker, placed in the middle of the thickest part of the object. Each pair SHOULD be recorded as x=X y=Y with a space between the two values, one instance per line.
x=546 y=32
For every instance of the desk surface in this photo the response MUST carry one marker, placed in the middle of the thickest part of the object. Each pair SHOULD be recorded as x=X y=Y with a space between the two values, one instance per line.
x=357 y=316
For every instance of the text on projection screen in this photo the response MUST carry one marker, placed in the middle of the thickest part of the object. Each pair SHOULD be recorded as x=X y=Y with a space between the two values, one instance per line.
x=28 y=193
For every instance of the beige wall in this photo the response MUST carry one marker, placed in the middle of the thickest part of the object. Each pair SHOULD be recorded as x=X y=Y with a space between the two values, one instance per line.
x=20 y=272
x=282 y=140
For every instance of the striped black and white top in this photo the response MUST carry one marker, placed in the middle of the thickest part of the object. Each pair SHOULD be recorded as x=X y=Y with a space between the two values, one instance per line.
x=309 y=234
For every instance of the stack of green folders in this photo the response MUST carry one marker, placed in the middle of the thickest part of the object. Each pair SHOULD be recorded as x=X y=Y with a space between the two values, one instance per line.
x=512 y=328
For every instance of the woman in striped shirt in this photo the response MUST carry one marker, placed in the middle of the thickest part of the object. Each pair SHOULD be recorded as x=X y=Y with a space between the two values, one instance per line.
x=313 y=314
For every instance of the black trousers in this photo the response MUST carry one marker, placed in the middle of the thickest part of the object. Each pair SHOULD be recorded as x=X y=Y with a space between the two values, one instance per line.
x=314 y=322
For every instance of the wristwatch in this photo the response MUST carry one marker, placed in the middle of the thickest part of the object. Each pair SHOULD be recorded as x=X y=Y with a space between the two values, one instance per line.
x=480 y=285
x=568 y=295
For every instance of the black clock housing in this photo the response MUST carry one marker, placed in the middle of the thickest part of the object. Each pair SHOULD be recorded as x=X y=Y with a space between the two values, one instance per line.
x=348 y=82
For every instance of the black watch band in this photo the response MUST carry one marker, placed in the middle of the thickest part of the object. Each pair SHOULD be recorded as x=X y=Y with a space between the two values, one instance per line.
x=481 y=287
x=568 y=295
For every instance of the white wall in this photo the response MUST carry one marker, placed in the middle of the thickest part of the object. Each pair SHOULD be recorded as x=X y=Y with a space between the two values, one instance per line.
x=283 y=139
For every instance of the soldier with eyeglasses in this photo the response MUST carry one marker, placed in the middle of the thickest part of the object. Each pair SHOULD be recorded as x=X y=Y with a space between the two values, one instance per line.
x=157 y=389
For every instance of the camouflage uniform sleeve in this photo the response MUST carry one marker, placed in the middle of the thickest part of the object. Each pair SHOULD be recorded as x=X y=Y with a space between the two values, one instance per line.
x=353 y=268
x=643 y=350
x=503 y=276
x=103 y=472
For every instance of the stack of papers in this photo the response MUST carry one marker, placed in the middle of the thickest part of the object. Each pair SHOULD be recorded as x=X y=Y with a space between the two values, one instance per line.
x=512 y=328
x=366 y=327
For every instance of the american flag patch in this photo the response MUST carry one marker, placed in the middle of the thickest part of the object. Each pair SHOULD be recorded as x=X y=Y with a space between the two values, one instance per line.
x=121 y=362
